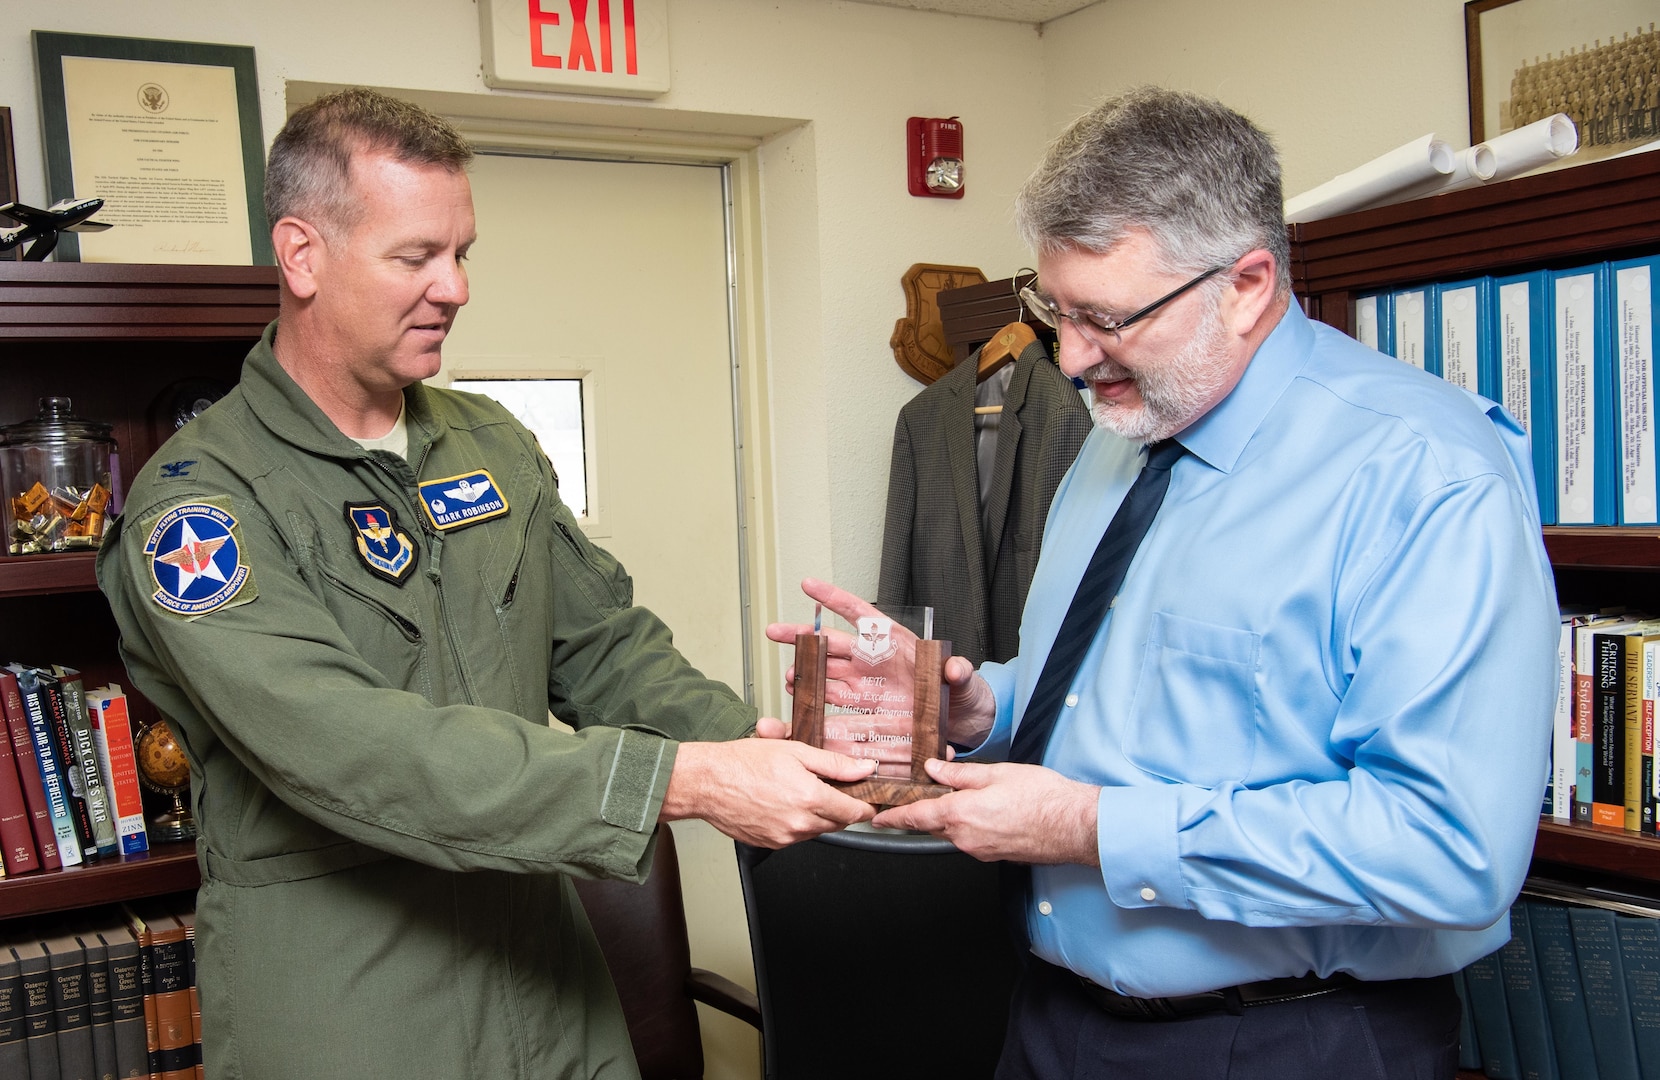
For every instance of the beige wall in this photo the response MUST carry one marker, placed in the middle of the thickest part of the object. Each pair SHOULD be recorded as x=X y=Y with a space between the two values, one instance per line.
x=1336 y=84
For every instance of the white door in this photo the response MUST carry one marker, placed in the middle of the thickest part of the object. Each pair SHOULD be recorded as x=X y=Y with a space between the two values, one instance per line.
x=617 y=272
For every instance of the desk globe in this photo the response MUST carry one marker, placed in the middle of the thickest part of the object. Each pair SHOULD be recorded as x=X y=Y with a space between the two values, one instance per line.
x=163 y=768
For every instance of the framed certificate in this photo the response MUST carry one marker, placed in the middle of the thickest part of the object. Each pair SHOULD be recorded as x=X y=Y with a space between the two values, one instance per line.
x=168 y=134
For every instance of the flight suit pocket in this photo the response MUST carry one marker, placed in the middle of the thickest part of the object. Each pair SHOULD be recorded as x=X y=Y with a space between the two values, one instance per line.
x=1194 y=715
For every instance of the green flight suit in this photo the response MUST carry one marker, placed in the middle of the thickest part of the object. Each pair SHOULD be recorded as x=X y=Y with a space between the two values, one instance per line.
x=388 y=823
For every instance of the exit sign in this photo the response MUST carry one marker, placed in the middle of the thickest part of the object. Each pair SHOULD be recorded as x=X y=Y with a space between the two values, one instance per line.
x=618 y=47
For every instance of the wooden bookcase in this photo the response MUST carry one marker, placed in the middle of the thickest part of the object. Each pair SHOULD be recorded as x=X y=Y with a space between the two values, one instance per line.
x=116 y=339
x=1570 y=217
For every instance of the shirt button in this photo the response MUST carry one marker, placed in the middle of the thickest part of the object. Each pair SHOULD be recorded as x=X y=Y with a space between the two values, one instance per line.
x=1044 y=907
x=1071 y=700
x=1148 y=894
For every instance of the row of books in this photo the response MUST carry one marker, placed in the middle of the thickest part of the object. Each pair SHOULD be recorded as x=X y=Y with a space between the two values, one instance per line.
x=110 y=994
x=1574 y=994
x=1603 y=768
x=1569 y=353
x=69 y=791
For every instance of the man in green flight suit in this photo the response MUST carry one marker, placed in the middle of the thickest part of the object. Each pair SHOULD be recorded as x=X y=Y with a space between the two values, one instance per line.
x=357 y=599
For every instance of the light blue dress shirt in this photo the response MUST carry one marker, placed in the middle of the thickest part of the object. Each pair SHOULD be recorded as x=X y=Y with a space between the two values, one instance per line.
x=1320 y=708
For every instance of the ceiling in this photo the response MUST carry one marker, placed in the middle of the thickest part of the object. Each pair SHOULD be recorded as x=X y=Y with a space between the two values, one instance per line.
x=1025 y=11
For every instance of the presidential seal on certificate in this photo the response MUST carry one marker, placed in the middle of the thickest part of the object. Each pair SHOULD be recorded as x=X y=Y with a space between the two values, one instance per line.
x=892 y=708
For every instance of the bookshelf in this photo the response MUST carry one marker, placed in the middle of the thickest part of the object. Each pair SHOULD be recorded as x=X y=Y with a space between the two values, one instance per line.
x=117 y=339
x=1569 y=217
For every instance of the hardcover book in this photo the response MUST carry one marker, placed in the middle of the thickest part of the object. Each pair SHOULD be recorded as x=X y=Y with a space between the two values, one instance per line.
x=51 y=768
x=17 y=843
x=1529 y=1023
x=1603 y=981
x=14 y=1050
x=28 y=772
x=100 y=1004
x=74 y=778
x=72 y=1005
x=40 y=1029
x=1639 y=939
x=126 y=980
x=112 y=733
x=1553 y=947
x=1491 y=1013
x=92 y=786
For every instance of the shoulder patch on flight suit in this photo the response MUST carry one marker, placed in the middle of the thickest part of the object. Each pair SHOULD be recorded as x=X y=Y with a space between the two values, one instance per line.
x=195 y=553
x=456 y=502
x=386 y=549
x=176 y=470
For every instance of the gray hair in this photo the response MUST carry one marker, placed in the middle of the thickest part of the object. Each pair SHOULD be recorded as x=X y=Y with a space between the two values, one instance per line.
x=309 y=172
x=1200 y=178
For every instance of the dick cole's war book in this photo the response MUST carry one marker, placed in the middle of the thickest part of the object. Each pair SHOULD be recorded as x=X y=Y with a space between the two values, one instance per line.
x=86 y=761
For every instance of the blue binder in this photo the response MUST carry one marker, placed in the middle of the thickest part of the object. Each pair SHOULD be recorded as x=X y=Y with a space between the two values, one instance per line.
x=1526 y=364
x=1417 y=340
x=1467 y=349
x=1587 y=405
x=1634 y=301
x=1374 y=321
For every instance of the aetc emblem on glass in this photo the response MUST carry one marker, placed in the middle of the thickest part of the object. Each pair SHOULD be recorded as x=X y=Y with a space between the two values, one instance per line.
x=458 y=501
x=195 y=559
x=382 y=543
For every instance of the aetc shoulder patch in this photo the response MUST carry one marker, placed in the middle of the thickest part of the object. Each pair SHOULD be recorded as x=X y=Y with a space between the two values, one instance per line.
x=195 y=553
x=458 y=501
x=385 y=547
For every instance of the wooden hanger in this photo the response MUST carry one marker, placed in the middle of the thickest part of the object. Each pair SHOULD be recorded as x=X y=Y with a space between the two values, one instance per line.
x=1006 y=345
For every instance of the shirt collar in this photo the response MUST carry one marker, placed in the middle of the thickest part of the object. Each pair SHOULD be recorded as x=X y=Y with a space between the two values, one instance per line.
x=1220 y=436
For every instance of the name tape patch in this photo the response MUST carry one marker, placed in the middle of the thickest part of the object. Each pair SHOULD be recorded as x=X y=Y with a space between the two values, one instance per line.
x=456 y=502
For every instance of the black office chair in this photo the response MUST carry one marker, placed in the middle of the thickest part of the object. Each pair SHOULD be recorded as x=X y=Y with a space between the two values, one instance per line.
x=882 y=954
x=642 y=932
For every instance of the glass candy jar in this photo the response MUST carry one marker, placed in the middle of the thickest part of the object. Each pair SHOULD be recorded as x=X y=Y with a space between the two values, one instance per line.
x=56 y=470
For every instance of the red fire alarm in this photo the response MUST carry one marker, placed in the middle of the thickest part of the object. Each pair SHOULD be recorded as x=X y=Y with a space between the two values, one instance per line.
x=936 y=156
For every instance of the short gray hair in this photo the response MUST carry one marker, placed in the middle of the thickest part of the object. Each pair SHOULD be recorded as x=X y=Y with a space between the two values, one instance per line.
x=1200 y=178
x=309 y=172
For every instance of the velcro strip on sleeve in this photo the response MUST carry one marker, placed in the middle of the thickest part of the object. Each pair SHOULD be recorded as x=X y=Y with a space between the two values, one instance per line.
x=628 y=790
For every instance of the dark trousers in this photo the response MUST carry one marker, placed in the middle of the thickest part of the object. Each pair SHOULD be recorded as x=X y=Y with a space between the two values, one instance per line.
x=1389 y=1031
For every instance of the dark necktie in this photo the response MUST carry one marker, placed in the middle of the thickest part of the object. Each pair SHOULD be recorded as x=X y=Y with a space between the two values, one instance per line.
x=1100 y=585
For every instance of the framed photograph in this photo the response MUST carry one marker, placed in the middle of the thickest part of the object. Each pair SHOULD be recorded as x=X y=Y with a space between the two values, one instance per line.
x=8 y=176
x=1529 y=59
x=168 y=134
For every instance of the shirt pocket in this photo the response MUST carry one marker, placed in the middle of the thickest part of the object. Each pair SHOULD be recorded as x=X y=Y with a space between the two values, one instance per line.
x=1194 y=715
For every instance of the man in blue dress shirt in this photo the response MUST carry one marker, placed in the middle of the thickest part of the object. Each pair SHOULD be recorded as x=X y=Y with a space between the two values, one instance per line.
x=1296 y=779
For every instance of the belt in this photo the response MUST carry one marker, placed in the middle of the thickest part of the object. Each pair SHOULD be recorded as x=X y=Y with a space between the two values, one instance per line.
x=1232 y=999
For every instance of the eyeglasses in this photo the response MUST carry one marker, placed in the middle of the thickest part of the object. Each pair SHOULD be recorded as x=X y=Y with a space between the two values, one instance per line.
x=1098 y=327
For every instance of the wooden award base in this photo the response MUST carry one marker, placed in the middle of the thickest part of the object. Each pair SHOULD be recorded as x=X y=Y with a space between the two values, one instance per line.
x=927 y=733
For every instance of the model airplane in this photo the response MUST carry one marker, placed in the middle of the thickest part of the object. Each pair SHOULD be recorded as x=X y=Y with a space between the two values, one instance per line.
x=44 y=226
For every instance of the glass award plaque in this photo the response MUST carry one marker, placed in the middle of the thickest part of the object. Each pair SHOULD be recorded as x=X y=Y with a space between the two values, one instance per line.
x=893 y=708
